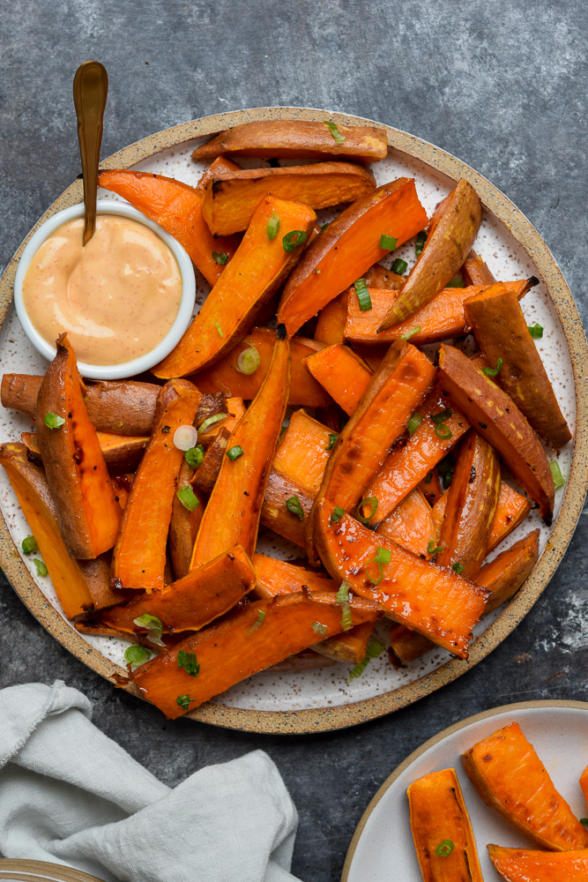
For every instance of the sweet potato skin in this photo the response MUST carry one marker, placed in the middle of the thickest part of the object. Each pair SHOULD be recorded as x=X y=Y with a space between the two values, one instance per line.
x=475 y=270
x=122 y=453
x=523 y=865
x=183 y=526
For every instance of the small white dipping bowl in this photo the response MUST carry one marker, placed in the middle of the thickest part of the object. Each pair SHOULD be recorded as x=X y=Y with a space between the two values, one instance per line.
x=127 y=368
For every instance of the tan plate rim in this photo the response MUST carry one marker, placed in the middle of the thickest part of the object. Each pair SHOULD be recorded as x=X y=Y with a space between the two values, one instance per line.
x=42 y=871
x=329 y=718
x=545 y=704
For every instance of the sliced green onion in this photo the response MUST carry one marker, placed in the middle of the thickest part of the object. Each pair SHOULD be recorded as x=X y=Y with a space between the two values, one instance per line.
x=41 y=567
x=336 y=515
x=414 y=422
x=187 y=497
x=258 y=621
x=293 y=506
x=249 y=360
x=210 y=421
x=187 y=661
x=292 y=239
x=273 y=225
x=536 y=331
x=342 y=598
x=442 y=431
x=137 y=655
x=185 y=438
x=219 y=330
x=433 y=548
x=445 y=470
x=153 y=625
x=363 y=295
x=53 y=421
x=370 y=501
x=411 y=333
x=456 y=282
x=444 y=848
x=558 y=478
x=29 y=545
x=399 y=266
x=338 y=138
x=584 y=821
x=220 y=257
x=382 y=557
x=420 y=243
x=388 y=243
x=184 y=701
x=235 y=452
x=373 y=650
x=441 y=416
x=457 y=568
x=194 y=456
x=320 y=629
x=324 y=226
x=332 y=438
x=492 y=372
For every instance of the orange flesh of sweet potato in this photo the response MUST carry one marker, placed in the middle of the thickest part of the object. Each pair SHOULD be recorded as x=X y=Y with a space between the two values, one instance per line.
x=406 y=466
x=138 y=563
x=497 y=418
x=251 y=639
x=177 y=208
x=379 y=277
x=330 y=324
x=475 y=271
x=183 y=526
x=342 y=373
x=451 y=236
x=511 y=510
x=431 y=487
x=411 y=523
x=88 y=512
x=471 y=505
x=509 y=776
x=121 y=452
x=348 y=247
x=501 y=331
x=249 y=280
x=39 y=508
x=438 y=814
x=296 y=139
x=225 y=377
x=235 y=409
x=230 y=198
x=522 y=865
x=427 y=598
x=303 y=451
x=232 y=514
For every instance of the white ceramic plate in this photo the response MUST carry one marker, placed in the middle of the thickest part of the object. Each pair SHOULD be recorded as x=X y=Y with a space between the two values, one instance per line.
x=382 y=848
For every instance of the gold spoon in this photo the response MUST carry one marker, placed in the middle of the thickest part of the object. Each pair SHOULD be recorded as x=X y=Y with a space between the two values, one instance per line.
x=90 y=88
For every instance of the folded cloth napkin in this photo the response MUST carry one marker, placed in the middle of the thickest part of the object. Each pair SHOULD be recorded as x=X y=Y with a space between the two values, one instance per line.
x=70 y=795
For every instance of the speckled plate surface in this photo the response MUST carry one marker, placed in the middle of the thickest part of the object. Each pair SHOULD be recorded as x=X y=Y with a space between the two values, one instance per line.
x=325 y=698
x=556 y=729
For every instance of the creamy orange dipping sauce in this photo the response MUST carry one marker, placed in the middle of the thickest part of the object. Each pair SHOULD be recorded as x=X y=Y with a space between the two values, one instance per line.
x=117 y=297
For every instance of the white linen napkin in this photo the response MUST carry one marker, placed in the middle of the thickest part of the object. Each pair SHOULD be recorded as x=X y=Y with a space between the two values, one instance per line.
x=71 y=795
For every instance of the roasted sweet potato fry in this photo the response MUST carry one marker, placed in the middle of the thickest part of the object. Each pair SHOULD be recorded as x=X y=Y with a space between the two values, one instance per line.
x=97 y=577
x=348 y=247
x=255 y=273
x=183 y=526
x=235 y=408
x=451 y=235
x=411 y=524
x=475 y=271
x=230 y=198
x=330 y=324
x=522 y=865
x=497 y=418
x=297 y=139
x=275 y=513
x=379 y=277
x=509 y=776
x=121 y=452
x=441 y=829
x=303 y=451
x=342 y=373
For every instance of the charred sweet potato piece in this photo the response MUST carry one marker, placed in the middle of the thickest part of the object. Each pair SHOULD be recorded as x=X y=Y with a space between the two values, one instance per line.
x=121 y=453
x=342 y=373
x=475 y=271
x=76 y=472
x=509 y=776
x=183 y=526
x=230 y=198
x=251 y=639
x=451 y=235
x=501 y=332
x=441 y=829
x=255 y=273
x=411 y=524
x=348 y=247
x=303 y=451
x=140 y=553
x=297 y=139
x=525 y=865
x=497 y=418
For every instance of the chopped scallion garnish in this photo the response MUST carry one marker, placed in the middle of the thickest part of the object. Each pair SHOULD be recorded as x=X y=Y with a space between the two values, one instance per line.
x=184 y=701
x=258 y=621
x=153 y=625
x=433 y=548
x=414 y=422
x=219 y=330
x=399 y=266
x=293 y=505
x=137 y=655
x=457 y=568
x=220 y=257
x=41 y=567
x=363 y=295
x=456 y=282
x=382 y=557
x=249 y=360
x=420 y=243
x=273 y=225
x=187 y=661
x=53 y=420
x=342 y=598
x=194 y=456
x=558 y=478
x=320 y=629
x=372 y=504
x=187 y=497
x=235 y=452
x=388 y=243
x=411 y=333
x=332 y=438
x=536 y=331
x=210 y=421
x=336 y=515
x=442 y=431
x=373 y=650
x=338 y=138
x=493 y=371
x=444 y=848
x=29 y=545
x=292 y=239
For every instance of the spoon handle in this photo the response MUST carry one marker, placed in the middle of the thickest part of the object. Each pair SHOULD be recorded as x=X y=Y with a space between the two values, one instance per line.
x=90 y=88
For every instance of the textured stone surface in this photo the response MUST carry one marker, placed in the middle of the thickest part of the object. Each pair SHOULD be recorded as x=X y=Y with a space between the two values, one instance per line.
x=499 y=86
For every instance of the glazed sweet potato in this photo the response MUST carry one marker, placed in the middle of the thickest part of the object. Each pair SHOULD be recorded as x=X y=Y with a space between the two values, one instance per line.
x=451 y=235
x=348 y=247
x=176 y=207
x=497 y=418
x=411 y=524
x=234 y=507
x=251 y=639
x=138 y=563
x=40 y=510
x=509 y=776
x=330 y=324
x=434 y=601
x=296 y=139
x=501 y=332
x=122 y=453
x=88 y=512
x=255 y=273
x=342 y=373
x=475 y=271
x=224 y=376
x=230 y=198
x=522 y=865
x=303 y=451
x=183 y=526
x=441 y=829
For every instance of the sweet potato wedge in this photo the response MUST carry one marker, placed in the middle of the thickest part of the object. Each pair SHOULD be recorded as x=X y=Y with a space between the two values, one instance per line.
x=177 y=208
x=509 y=776
x=40 y=510
x=342 y=373
x=230 y=198
x=183 y=525
x=379 y=277
x=234 y=507
x=441 y=829
x=427 y=598
x=75 y=469
x=497 y=418
x=235 y=408
x=296 y=139
x=255 y=273
x=330 y=324
x=501 y=331
x=121 y=453
x=96 y=574
x=475 y=271
x=303 y=451
x=451 y=236
x=348 y=247
x=137 y=563
x=411 y=524
x=525 y=865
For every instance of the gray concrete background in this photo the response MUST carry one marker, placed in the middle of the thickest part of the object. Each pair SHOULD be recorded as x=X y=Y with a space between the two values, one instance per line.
x=499 y=83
